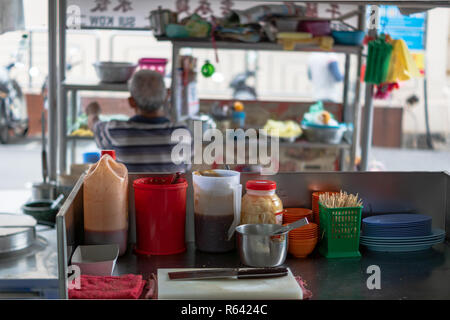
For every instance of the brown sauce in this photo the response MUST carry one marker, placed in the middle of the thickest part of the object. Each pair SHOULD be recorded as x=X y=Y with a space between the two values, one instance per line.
x=211 y=232
x=119 y=237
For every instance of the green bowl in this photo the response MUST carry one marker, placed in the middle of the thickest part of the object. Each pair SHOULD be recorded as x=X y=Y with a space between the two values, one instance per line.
x=40 y=210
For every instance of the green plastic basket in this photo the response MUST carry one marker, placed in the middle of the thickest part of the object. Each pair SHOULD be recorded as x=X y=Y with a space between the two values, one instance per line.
x=339 y=232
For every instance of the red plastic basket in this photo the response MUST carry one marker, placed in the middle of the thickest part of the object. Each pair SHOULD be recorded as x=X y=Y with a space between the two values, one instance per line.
x=155 y=64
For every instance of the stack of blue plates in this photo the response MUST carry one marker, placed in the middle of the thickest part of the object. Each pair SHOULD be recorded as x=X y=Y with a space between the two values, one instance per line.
x=397 y=225
x=399 y=233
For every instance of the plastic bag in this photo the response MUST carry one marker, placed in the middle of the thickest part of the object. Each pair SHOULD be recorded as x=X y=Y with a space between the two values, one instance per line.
x=378 y=60
x=318 y=116
x=402 y=66
x=198 y=27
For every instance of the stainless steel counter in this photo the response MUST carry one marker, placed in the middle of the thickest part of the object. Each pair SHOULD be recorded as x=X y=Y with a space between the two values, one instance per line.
x=32 y=272
x=419 y=275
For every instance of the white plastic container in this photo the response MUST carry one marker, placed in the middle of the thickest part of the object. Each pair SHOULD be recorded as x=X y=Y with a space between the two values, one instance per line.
x=96 y=260
x=217 y=208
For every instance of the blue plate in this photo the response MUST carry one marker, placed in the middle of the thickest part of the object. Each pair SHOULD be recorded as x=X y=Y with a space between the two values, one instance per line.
x=436 y=233
x=396 y=219
x=399 y=226
x=422 y=228
x=402 y=247
x=400 y=243
x=397 y=234
x=418 y=226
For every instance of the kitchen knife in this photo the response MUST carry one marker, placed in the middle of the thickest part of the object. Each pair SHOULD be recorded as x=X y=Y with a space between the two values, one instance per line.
x=237 y=273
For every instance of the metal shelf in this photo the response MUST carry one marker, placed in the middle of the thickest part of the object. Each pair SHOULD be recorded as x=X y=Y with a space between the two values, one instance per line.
x=86 y=85
x=315 y=145
x=264 y=46
x=79 y=138
x=296 y=144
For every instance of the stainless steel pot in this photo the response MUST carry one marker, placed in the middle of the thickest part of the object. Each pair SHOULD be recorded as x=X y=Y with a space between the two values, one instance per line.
x=114 y=72
x=43 y=191
x=257 y=248
x=160 y=18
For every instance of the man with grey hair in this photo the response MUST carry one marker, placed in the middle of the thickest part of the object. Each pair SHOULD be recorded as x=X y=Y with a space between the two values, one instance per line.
x=143 y=143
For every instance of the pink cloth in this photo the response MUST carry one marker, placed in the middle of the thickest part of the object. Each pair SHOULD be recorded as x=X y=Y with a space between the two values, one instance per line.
x=128 y=286
x=302 y=283
x=152 y=288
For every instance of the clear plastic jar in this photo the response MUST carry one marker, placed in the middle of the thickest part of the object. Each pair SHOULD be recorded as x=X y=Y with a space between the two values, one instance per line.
x=261 y=204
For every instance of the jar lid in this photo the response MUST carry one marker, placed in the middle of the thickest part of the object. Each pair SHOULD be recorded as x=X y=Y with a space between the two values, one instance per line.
x=261 y=185
x=112 y=153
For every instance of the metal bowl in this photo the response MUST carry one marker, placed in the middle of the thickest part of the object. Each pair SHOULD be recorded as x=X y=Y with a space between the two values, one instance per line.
x=330 y=135
x=41 y=210
x=114 y=72
x=257 y=248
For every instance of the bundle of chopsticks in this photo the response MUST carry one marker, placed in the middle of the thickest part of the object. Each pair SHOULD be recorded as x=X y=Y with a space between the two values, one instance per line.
x=340 y=200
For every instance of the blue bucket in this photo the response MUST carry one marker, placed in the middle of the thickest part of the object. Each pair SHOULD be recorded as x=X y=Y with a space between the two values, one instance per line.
x=91 y=157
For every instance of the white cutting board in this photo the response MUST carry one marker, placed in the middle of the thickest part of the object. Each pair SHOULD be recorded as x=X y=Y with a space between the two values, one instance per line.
x=283 y=288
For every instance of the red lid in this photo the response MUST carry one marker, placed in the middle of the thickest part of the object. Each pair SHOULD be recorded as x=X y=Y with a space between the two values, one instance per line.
x=112 y=153
x=261 y=185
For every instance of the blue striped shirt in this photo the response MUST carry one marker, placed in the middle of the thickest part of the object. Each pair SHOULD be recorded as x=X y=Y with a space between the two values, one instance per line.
x=142 y=144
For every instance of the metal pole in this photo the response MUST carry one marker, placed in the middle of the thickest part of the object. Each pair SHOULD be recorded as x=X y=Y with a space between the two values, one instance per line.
x=368 y=106
x=425 y=89
x=52 y=104
x=62 y=95
x=346 y=111
x=30 y=58
x=356 y=102
x=73 y=117
x=173 y=95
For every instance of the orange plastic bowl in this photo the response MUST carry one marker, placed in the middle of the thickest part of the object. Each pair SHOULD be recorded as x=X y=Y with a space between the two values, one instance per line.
x=300 y=242
x=297 y=212
x=307 y=228
x=302 y=251
x=303 y=236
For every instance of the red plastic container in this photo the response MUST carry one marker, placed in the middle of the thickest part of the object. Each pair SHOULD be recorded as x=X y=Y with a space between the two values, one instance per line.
x=160 y=215
x=155 y=64
x=316 y=28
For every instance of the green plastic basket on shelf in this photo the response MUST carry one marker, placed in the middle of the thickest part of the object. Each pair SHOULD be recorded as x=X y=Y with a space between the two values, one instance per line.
x=339 y=232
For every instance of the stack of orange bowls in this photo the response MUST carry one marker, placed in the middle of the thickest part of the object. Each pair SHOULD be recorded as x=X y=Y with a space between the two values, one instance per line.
x=315 y=204
x=303 y=240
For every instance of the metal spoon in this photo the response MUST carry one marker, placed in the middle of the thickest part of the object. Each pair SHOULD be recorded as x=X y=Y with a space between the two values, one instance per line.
x=57 y=202
x=294 y=225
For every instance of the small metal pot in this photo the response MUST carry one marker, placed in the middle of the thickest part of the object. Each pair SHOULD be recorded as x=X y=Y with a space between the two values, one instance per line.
x=257 y=248
x=160 y=18
x=43 y=191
